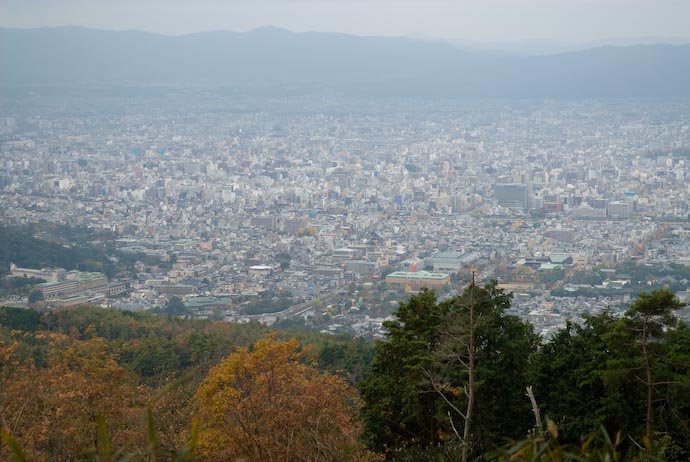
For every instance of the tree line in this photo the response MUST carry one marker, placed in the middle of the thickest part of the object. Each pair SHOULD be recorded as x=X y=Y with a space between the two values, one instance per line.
x=69 y=377
x=457 y=379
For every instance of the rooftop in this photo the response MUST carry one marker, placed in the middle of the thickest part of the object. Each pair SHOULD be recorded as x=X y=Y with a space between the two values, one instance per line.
x=418 y=275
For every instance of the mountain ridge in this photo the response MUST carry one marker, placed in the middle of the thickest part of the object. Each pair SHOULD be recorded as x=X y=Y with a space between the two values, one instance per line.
x=74 y=56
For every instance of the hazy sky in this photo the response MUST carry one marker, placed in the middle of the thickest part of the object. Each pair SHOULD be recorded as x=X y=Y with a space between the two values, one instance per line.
x=574 y=21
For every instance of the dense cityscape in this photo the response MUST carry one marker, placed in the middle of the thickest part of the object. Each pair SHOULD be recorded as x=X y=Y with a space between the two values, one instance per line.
x=366 y=231
x=333 y=210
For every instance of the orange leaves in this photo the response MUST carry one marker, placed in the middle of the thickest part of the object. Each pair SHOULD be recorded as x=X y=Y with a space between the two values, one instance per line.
x=52 y=411
x=264 y=404
x=64 y=391
x=7 y=351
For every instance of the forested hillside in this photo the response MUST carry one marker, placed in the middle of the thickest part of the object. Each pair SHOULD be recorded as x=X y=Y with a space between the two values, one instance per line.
x=63 y=372
x=64 y=246
x=449 y=383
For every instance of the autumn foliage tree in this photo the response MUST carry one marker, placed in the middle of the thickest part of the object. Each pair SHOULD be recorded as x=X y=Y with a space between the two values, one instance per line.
x=266 y=404
x=53 y=411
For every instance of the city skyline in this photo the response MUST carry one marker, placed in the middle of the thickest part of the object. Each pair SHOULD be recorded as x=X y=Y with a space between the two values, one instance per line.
x=308 y=200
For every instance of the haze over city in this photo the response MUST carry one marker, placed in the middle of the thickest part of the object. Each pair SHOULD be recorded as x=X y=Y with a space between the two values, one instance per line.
x=524 y=25
x=345 y=231
x=318 y=161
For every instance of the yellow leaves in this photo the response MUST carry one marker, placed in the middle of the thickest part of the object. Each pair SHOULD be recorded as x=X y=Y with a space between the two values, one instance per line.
x=553 y=428
x=90 y=331
x=67 y=349
x=7 y=351
x=264 y=404
x=54 y=339
x=52 y=409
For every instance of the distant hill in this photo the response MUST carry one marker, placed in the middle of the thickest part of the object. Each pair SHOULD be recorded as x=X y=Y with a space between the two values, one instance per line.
x=270 y=59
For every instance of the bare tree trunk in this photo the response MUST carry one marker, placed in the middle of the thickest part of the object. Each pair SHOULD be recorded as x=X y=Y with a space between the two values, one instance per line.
x=469 y=390
x=535 y=408
x=650 y=385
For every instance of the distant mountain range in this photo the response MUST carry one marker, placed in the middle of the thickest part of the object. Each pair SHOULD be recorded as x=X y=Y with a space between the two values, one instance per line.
x=270 y=60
